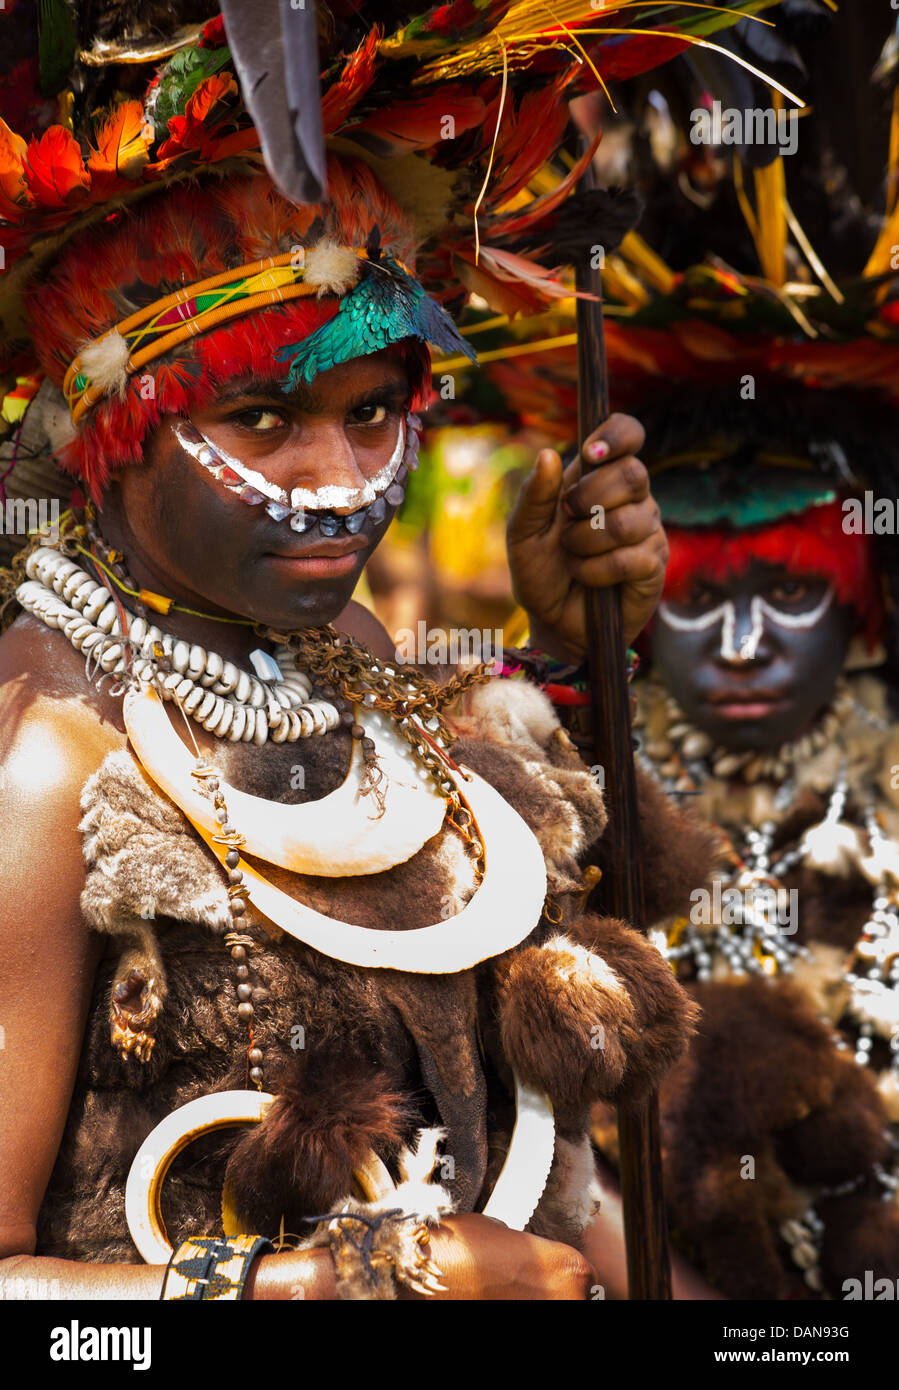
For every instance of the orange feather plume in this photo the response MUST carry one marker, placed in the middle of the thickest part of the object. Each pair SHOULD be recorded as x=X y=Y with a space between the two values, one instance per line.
x=197 y=130
x=122 y=148
x=14 y=194
x=55 y=170
x=419 y=124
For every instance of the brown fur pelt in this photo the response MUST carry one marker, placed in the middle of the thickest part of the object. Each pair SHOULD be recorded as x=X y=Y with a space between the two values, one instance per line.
x=678 y=852
x=615 y=1029
x=762 y=1110
x=510 y=735
x=384 y=1053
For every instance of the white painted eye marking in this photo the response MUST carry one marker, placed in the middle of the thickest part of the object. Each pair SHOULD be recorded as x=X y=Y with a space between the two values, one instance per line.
x=759 y=610
x=328 y=498
x=797 y=620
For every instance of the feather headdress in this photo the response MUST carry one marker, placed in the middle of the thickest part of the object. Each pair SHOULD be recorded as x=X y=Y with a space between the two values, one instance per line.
x=768 y=387
x=431 y=127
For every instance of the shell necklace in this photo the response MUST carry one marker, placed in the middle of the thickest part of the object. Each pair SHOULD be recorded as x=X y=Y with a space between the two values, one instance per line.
x=318 y=678
x=230 y=703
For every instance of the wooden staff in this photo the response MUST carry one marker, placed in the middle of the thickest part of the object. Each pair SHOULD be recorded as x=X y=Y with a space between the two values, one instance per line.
x=646 y=1236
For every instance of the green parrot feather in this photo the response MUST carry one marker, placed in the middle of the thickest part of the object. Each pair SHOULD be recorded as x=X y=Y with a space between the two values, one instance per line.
x=385 y=306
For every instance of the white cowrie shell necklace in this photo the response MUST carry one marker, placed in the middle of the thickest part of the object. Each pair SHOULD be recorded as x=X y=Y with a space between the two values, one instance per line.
x=274 y=703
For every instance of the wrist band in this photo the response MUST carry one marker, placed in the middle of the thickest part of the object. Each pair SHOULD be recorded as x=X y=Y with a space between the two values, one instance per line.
x=564 y=684
x=212 y=1268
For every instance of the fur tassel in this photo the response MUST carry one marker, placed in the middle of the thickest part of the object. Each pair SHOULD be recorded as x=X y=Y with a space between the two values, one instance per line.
x=104 y=363
x=331 y=268
x=324 y=1124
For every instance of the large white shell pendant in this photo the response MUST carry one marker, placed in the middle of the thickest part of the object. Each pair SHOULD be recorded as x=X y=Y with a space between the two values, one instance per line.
x=338 y=836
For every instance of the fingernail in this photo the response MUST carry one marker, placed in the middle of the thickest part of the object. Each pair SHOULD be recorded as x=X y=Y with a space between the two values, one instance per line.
x=597 y=451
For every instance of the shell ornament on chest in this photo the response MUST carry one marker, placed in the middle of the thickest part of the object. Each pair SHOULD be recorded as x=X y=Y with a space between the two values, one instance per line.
x=507 y=940
x=343 y=834
x=750 y=923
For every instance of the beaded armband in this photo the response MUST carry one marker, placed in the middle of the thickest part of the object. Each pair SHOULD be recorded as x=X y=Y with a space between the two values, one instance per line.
x=566 y=685
x=212 y=1268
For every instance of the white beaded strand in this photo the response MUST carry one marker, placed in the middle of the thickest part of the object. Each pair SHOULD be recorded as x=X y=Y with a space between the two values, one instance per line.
x=222 y=698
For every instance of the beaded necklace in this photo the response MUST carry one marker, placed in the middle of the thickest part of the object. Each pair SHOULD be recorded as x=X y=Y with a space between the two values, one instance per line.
x=683 y=759
x=752 y=941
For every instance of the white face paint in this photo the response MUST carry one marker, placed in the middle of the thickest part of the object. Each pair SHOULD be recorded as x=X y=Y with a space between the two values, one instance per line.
x=218 y=462
x=759 y=610
x=303 y=507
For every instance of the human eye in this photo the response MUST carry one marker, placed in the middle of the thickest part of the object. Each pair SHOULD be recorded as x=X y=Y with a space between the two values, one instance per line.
x=789 y=591
x=379 y=406
x=701 y=596
x=372 y=413
x=260 y=419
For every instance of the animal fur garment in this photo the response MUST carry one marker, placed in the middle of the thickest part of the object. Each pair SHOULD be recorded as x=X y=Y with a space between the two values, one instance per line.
x=763 y=1081
x=385 y=1054
x=769 y=1112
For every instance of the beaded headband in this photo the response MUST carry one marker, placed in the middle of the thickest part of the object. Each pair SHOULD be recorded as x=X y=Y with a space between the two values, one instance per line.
x=105 y=364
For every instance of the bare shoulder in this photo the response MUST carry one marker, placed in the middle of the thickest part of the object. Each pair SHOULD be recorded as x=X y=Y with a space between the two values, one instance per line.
x=55 y=728
x=55 y=731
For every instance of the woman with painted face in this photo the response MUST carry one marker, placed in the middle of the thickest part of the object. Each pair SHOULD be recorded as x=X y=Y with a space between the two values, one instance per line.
x=764 y=702
x=757 y=338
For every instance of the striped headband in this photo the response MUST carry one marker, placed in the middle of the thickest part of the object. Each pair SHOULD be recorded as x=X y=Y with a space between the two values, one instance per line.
x=104 y=365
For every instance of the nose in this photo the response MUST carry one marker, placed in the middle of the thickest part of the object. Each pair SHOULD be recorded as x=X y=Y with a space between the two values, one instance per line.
x=324 y=474
x=324 y=468
x=743 y=635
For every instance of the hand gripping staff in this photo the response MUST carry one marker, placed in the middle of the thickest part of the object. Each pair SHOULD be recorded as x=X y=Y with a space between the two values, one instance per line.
x=649 y=1275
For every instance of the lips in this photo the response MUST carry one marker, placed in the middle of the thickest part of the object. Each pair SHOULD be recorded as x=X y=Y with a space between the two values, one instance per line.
x=323 y=549
x=745 y=704
x=745 y=696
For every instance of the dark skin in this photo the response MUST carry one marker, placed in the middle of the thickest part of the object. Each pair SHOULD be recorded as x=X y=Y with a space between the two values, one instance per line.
x=775 y=697
x=185 y=537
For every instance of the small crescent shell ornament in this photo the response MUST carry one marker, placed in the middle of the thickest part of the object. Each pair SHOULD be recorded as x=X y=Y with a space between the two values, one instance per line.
x=514 y=1199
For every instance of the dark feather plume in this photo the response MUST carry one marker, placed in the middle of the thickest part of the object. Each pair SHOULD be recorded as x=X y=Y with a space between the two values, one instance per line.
x=599 y=216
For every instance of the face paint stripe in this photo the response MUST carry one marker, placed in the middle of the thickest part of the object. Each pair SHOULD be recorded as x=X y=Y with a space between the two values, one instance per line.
x=798 y=620
x=253 y=488
x=759 y=610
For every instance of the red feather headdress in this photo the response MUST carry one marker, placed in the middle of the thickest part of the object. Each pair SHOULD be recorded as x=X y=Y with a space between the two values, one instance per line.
x=449 y=116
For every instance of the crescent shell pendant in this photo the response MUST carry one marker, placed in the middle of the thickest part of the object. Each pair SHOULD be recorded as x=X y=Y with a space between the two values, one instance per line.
x=336 y=836
x=505 y=908
x=516 y=1194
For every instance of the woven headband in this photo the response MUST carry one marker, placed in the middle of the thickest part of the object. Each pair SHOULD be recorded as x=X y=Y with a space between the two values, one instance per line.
x=105 y=364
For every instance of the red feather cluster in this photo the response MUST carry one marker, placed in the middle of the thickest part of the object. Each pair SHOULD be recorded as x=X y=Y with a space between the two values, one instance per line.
x=813 y=543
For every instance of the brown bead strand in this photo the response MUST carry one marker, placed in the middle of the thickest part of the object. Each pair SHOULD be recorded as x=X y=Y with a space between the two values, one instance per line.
x=238 y=942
